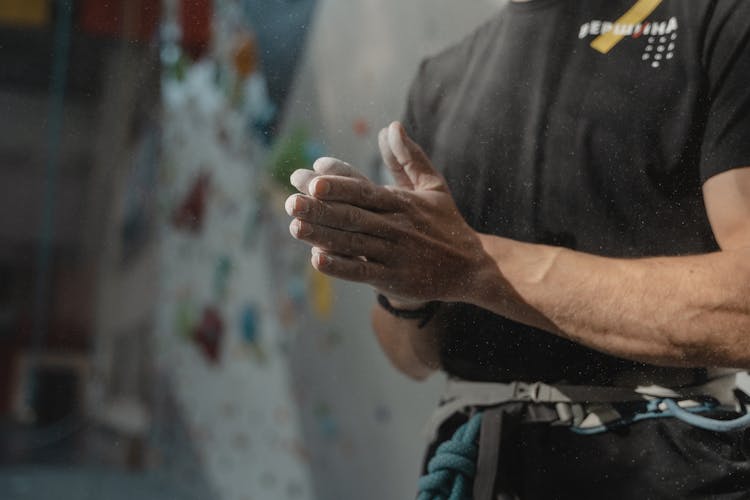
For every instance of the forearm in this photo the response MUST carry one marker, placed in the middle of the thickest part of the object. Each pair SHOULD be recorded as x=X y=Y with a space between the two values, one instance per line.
x=412 y=350
x=689 y=311
x=676 y=311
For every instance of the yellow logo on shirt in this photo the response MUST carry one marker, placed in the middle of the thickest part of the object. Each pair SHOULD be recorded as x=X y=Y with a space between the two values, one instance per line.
x=631 y=21
x=660 y=35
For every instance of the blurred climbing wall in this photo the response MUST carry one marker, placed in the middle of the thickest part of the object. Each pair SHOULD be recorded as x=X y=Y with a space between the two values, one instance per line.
x=284 y=390
x=362 y=420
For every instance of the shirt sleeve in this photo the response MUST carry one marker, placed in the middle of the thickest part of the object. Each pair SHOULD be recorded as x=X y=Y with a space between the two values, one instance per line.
x=726 y=60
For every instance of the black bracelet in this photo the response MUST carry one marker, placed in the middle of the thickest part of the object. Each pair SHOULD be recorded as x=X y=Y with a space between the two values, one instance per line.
x=424 y=314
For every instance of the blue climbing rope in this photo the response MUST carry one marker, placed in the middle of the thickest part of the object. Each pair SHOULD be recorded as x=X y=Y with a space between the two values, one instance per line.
x=669 y=408
x=450 y=473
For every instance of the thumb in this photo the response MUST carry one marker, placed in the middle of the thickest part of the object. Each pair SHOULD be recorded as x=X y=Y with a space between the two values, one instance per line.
x=414 y=161
x=394 y=167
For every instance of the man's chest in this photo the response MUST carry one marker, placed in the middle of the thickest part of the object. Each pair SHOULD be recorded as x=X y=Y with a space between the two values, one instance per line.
x=585 y=107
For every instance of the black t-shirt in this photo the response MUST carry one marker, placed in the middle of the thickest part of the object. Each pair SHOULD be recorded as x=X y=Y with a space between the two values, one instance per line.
x=583 y=124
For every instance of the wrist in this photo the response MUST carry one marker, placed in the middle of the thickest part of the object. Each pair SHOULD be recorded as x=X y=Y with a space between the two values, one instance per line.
x=516 y=277
x=484 y=280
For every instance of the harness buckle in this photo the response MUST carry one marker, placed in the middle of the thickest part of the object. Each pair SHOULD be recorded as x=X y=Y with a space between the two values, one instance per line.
x=537 y=392
x=523 y=391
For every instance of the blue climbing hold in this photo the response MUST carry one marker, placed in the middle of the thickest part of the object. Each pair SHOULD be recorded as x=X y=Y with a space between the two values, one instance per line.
x=249 y=323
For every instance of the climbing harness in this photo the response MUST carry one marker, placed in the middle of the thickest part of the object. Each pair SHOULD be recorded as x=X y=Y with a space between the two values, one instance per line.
x=465 y=466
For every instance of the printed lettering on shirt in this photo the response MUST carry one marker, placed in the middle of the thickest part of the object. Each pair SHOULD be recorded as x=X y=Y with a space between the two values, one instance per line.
x=660 y=37
x=597 y=27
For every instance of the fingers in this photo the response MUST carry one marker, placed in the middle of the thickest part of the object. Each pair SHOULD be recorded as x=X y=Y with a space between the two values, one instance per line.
x=394 y=167
x=341 y=242
x=301 y=178
x=348 y=268
x=333 y=166
x=335 y=215
x=357 y=192
x=414 y=161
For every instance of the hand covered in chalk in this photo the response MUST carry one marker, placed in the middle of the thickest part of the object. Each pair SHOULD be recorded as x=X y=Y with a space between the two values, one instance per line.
x=408 y=241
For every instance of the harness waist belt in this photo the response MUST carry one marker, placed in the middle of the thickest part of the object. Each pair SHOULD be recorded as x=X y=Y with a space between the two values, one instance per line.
x=460 y=395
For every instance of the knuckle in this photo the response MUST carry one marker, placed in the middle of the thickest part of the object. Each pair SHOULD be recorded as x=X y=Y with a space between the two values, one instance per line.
x=320 y=210
x=388 y=250
x=366 y=191
x=381 y=229
x=353 y=218
x=356 y=243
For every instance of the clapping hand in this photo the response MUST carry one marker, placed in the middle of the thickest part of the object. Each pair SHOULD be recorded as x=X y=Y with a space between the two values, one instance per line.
x=408 y=241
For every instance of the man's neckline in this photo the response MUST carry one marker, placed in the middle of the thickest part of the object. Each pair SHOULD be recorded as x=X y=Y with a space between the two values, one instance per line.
x=530 y=4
